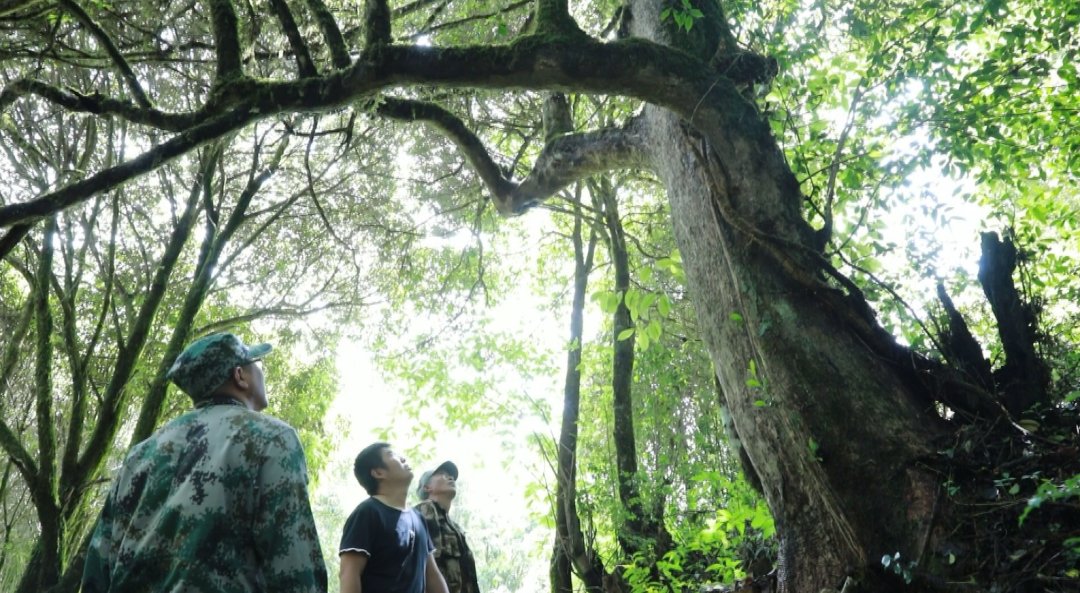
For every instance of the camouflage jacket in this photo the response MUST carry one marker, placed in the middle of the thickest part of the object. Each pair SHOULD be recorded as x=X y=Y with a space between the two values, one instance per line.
x=215 y=501
x=452 y=553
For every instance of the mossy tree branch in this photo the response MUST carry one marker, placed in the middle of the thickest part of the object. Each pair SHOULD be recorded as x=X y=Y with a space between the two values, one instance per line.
x=1024 y=378
x=227 y=40
x=339 y=53
x=553 y=18
x=300 y=51
x=377 y=24
x=107 y=179
x=455 y=129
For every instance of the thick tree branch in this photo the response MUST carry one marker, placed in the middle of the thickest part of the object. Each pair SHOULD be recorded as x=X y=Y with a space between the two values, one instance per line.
x=44 y=488
x=304 y=65
x=553 y=18
x=110 y=48
x=12 y=238
x=339 y=53
x=226 y=39
x=960 y=346
x=377 y=24
x=456 y=130
x=565 y=159
x=569 y=158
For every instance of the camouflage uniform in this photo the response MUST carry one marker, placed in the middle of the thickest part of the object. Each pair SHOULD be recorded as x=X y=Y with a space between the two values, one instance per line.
x=215 y=501
x=452 y=553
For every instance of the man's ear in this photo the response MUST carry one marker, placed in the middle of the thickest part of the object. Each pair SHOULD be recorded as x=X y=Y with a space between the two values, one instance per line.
x=240 y=377
x=378 y=473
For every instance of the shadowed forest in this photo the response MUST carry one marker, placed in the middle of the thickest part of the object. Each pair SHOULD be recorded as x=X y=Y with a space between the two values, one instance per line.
x=776 y=296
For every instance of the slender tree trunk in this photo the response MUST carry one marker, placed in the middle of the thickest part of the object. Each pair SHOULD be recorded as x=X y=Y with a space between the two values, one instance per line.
x=570 y=539
x=640 y=526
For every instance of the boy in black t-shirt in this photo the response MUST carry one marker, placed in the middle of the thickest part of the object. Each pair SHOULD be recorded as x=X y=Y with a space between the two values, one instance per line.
x=385 y=547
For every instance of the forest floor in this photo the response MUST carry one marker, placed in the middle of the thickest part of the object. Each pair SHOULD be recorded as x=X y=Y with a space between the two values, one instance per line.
x=1015 y=503
x=1011 y=495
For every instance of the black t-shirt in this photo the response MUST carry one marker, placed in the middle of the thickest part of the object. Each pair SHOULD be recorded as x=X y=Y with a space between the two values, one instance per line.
x=396 y=543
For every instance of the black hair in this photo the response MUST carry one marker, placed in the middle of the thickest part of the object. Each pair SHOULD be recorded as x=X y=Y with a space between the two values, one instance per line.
x=368 y=459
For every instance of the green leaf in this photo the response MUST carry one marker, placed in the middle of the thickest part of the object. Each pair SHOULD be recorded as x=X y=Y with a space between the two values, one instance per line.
x=625 y=334
x=663 y=305
x=653 y=330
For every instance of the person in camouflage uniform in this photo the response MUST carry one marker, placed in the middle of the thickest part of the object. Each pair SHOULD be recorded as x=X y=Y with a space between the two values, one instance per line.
x=216 y=500
x=437 y=489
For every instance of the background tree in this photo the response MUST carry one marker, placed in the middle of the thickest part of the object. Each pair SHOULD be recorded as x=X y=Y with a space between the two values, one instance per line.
x=795 y=343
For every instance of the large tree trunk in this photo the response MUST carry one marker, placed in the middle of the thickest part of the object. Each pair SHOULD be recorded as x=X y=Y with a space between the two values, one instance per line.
x=833 y=430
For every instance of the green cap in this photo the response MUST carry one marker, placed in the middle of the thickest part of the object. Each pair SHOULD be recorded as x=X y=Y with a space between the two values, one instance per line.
x=206 y=363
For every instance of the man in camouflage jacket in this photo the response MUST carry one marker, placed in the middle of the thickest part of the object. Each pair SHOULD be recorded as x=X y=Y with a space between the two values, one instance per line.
x=216 y=500
x=437 y=490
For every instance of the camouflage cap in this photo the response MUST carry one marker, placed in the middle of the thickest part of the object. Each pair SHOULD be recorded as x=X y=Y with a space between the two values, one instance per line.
x=205 y=364
x=446 y=467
